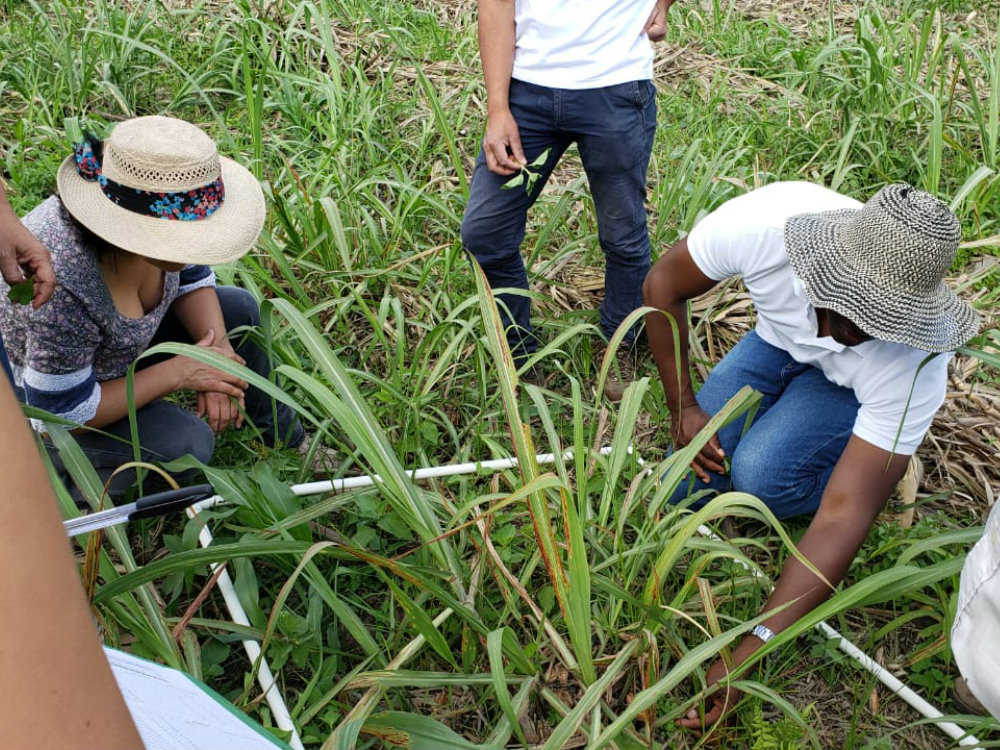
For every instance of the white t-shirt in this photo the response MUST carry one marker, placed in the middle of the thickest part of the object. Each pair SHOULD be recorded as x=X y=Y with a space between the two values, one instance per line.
x=746 y=237
x=585 y=44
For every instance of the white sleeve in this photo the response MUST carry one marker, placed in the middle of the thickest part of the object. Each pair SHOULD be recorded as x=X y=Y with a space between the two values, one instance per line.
x=886 y=420
x=718 y=244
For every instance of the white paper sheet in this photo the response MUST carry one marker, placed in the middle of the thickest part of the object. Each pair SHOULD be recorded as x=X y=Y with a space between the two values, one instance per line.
x=174 y=712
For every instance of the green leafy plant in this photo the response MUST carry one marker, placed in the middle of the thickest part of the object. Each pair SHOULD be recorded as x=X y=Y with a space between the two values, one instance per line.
x=528 y=174
x=22 y=292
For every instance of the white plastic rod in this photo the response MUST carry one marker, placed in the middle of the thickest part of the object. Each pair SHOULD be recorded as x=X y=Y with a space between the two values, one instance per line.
x=888 y=679
x=282 y=717
x=431 y=472
x=898 y=687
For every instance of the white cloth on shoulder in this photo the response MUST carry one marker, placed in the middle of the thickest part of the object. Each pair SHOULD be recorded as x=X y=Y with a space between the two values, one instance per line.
x=975 y=636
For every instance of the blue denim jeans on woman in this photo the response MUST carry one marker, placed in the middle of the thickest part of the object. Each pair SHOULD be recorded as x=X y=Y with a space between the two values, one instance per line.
x=613 y=128
x=168 y=431
x=796 y=438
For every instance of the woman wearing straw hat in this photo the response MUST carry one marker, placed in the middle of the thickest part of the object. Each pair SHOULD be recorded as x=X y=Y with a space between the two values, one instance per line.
x=851 y=303
x=136 y=224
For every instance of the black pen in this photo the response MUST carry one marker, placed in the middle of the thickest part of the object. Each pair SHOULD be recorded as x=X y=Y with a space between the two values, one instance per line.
x=157 y=504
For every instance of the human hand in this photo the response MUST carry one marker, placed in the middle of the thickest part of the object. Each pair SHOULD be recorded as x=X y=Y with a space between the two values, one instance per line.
x=710 y=458
x=221 y=411
x=656 y=26
x=204 y=378
x=716 y=705
x=502 y=144
x=23 y=256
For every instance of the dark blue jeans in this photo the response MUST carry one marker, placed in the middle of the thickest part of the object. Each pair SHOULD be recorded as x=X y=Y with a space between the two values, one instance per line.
x=5 y=363
x=800 y=430
x=613 y=128
x=168 y=431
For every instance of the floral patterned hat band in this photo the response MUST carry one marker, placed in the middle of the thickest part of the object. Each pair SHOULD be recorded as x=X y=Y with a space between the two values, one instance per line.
x=183 y=205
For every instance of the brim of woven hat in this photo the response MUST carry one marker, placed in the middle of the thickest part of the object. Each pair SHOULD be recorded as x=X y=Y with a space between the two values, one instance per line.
x=220 y=238
x=937 y=322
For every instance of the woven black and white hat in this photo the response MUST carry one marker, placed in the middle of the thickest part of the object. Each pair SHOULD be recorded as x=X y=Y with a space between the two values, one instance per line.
x=882 y=267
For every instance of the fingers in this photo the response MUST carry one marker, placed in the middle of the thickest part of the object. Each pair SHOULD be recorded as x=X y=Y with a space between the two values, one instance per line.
x=213 y=413
x=9 y=267
x=497 y=159
x=502 y=146
x=694 y=721
x=222 y=412
x=34 y=258
x=43 y=289
x=517 y=153
x=711 y=457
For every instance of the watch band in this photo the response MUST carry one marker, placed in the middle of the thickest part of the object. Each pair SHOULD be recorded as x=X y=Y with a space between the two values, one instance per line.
x=762 y=632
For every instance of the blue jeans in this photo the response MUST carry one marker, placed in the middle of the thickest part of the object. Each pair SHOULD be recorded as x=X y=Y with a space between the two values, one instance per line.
x=168 y=431
x=5 y=363
x=796 y=438
x=613 y=128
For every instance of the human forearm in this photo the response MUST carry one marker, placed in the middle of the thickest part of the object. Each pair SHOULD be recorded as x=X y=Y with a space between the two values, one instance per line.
x=799 y=587
x=60 y=688
x=199 y=312
x=151 y=383
x=496 y=51
x=669 y=346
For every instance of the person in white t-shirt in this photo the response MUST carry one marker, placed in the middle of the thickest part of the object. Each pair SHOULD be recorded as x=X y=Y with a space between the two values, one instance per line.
x=557 y=74
x=851 y=305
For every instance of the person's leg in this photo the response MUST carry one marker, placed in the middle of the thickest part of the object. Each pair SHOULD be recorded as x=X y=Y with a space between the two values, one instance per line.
x=614 y=128
x=752 y=362
x=493 y=225
x=788 y=454
x=166 y=432
x=277 y=422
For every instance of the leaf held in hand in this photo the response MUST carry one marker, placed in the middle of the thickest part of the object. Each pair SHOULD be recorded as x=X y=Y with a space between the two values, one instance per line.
x=23 y=292
x=513 y=182
x=542 y=158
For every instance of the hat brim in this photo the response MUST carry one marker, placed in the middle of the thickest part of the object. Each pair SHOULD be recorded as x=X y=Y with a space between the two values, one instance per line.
x=223 y=237
x=940 y=321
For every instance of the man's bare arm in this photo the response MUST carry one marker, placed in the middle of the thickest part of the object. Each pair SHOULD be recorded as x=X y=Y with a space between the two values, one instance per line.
x=502 y=142
x=669 y=285
x=859 y=487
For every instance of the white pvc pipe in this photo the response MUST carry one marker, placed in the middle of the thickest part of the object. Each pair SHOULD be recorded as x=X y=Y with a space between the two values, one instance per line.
x=279 y=710
x=430 y=472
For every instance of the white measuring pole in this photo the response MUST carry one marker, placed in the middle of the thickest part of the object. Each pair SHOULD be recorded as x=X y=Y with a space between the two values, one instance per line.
x=275 y=700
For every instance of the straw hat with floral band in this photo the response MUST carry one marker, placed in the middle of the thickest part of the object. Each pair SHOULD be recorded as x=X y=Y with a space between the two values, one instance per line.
x=157 y=187
x=882 y=267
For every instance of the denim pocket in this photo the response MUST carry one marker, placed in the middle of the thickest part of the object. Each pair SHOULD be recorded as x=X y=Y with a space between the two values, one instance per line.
x=641 y=93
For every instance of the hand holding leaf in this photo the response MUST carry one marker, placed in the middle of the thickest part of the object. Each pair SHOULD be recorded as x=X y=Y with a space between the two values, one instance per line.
x=528 y=174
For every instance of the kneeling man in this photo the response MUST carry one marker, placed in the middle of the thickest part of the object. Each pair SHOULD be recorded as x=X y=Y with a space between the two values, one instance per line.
x=850 y=301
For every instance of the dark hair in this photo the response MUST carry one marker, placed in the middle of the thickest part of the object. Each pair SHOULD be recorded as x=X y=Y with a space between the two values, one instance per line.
x=99 y=246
